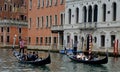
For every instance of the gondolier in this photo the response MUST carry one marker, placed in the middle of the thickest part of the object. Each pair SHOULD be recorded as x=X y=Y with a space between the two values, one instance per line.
x=21 y=43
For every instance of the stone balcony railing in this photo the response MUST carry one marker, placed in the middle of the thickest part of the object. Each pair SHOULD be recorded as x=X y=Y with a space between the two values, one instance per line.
x=57 y=28
x=12 y=22
x=81 y=26
x=86 y=26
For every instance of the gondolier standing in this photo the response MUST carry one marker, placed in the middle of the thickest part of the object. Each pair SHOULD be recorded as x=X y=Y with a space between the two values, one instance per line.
x=21 y=43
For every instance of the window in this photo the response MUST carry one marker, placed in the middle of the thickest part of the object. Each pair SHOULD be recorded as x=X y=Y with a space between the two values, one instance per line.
x=8 y=38
x=55 y=40
x=55 y=2
x=46 y=21
x=95 y=39
x=84 y=14
x=42 y=3
x=62 y=19
x=38 y=4
x=114 y=11
x=50 y=20
x=30 y=22
x=30 y=3
x=77 y=15
x=112 y=40
x=90 y=14
x=8 y=29
x=38 y=22
x=1 y=29
x=10 y=8
x=45 y=40
x=1 y=38
x=47 y=3
x=104 y=12
x=5 y=7
x=61 y=1
x=49 y=40
x=55 y=19
x=20 y=37
x=0 y=8
x=50 y=3
x=37 y=40
x=19 y=30
x=68 y=39
x=102 y=40
x=29 y=40
x=42 y=21
x=41 y=40
x=95 y=13
x=69 y=16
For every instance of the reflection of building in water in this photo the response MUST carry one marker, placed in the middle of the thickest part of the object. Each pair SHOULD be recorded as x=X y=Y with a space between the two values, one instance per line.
x=100 y=18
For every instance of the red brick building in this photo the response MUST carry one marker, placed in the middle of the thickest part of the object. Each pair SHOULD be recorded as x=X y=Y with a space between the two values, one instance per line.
x=45 y=21
x=13 y=20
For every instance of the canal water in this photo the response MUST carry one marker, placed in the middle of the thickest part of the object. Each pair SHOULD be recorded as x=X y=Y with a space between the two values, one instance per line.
x=60 y=63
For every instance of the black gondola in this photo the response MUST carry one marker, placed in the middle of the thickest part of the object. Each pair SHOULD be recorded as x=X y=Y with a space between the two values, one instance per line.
x=38 y=62
x=103 y=60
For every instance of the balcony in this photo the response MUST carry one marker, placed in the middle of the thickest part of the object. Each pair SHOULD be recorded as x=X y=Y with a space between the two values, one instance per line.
x=88 y=26
x=81 y=26
x=57 y=28
x=12 y=22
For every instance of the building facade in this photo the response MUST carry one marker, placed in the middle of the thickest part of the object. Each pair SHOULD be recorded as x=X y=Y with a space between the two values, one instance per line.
x=99 y=18
x=45 y=24
x=13 y=21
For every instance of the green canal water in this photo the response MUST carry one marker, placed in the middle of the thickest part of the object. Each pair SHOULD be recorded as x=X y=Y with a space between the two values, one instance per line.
x=60 y=63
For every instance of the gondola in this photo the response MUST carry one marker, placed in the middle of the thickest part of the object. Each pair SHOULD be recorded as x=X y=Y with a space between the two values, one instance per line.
x=103 y=60
x=38 y=62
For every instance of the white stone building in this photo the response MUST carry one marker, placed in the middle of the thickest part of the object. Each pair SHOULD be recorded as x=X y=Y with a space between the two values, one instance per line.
x=100 y=18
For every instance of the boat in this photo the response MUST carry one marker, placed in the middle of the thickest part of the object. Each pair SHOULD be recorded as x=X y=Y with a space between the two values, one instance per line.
x=102 y=60
x=66 y=51
x=37 y=62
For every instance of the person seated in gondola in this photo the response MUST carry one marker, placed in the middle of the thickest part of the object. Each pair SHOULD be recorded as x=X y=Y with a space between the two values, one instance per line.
x=29 y=56
x=81 y=56
x=33 y=57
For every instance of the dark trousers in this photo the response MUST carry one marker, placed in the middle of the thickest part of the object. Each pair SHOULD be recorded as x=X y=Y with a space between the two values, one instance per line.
x=21 y=50
x=75 y=50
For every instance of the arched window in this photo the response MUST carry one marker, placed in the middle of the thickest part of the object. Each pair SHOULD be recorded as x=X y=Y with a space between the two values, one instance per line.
x=104 y=12
x=62 y=19
x=114 y=11
x=5 y=8
x=77 y=15
x=84 y=14
x=69 y=16
x=95 y=13
x=95 y=39
x=90 y=14
x=10 y=8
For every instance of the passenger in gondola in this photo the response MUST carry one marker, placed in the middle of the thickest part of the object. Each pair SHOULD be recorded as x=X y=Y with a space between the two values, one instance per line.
x=29 y=56
x=33 y=58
